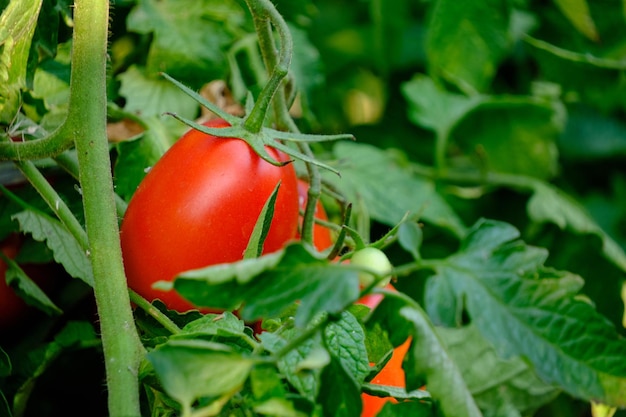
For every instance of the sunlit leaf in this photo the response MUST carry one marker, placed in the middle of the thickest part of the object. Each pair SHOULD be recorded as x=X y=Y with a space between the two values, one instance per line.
x=432 y=107
x=262 y=226
x=428 y=361
x=500 y=387
x=189 y=46
x=346 y=340
x=26 y=288
x=17 y=26
x=466 y=41
x=528 y=310
x=191 y=369
x=65 y=248
x=523 y=141
x=577 y=12
x=370 y=176
x=154 y=96
x=549 y=204
x=268 y=285
x=305 y=381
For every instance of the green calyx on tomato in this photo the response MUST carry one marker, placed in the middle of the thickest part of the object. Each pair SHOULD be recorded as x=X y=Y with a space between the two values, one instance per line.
x=251 y=130
x=197 y=207
x=376 y=264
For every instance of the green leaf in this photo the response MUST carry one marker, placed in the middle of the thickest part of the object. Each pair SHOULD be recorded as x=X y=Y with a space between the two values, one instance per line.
x=192 y=369
x=500 y=387
x=345 y=339
x=370 y=177
x=254 y=249
x=514 y=135
x=528 y=310
x=270 y=284
x=466 y=41
x=190 y=38
x=590 y=136
x=410 y=237
x=266 y=383
x=432 y=107
x=17 y=26
x=339 y=393
x=407 y=409
x=396 y=41
x=136 y=157
x=428 y=361
x=5 y=364
x=398 y=393
x=75 y=332
x=447 y=310
x=305 y=380
x=307 y=69
x=549 y=204
x=279 y=407
x=65 y=248
x=51 y=84
x=151 y=96
x=223 y=328
x=26 y=288
x=577 y=12
x=54 y=16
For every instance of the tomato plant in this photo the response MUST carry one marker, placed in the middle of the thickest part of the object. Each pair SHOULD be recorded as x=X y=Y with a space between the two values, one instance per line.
x=198 y=205
x=489 y=164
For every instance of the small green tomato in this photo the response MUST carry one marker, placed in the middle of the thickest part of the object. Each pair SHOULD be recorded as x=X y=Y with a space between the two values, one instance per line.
x=375 y=260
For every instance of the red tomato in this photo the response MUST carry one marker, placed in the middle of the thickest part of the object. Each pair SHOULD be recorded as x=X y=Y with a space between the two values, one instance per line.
x=12 y=307
x=392 y=373
x=198 y=206
x=322 y=238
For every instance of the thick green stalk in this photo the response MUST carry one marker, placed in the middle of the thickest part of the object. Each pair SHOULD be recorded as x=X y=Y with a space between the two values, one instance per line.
x=121 y=345
x=264 y=14
x=277 y=63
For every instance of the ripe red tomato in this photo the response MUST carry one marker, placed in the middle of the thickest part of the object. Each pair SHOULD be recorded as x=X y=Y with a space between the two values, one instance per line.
x=12 y=307
x=322 y=238
x=198 y=206
x=392 y=373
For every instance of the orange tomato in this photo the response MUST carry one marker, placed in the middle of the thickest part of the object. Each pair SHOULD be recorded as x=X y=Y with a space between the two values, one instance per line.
x=392 y=373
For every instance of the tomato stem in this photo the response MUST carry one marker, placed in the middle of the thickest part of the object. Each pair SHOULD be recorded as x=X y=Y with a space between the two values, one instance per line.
x=154 y=312
x=302 y=337
x=265 y=15
x=88 y=107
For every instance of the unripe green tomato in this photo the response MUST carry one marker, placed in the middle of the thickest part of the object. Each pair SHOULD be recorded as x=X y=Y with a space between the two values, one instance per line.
x=375 y=260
